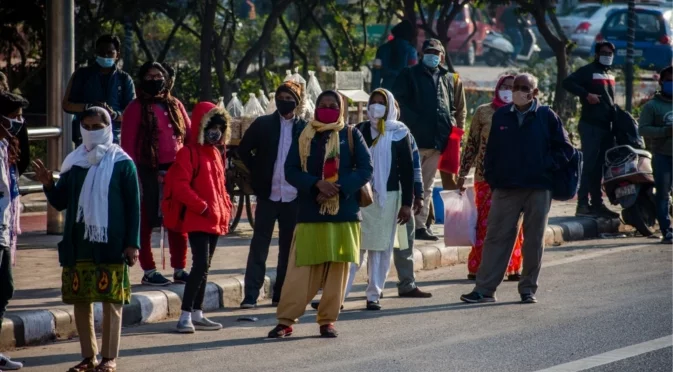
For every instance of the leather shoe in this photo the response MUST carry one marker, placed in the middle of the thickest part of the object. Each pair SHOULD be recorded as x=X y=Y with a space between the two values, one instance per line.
x=416 y=293
x=424 y=234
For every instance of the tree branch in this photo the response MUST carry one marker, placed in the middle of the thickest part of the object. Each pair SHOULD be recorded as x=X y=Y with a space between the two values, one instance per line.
x=169 y=40
x=328 y=39
x=141 y=41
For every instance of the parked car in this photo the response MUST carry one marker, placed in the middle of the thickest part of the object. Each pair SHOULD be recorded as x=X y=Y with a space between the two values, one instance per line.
x=584 y=22
x=653 y=46
x=463 y=47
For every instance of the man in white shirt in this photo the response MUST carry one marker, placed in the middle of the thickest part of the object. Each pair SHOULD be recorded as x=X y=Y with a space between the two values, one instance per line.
x=263 y=149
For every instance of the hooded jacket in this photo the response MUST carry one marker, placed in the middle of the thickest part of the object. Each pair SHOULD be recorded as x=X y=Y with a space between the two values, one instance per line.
x=197 y=179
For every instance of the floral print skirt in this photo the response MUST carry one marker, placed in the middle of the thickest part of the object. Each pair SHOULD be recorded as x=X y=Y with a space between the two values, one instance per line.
x=483 y=200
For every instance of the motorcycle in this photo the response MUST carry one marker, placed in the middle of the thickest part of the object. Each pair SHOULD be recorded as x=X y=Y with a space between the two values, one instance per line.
x=498 y=48
x=628 y=181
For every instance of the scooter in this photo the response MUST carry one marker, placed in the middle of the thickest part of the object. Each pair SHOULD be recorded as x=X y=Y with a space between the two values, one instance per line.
x=498 y=48
x=628 y=181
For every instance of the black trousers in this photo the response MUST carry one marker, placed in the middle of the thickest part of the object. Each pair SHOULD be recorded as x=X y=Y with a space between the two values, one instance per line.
x=6 y=280
x=596 y=140
x=266 y=214
x=203 y=247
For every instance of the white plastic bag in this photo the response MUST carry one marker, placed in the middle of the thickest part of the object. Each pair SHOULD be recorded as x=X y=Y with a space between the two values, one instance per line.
x=251 y=111
x=313 y=88
x=235 y=109
x=263 y=100
x=460 y=218
x=271 y=107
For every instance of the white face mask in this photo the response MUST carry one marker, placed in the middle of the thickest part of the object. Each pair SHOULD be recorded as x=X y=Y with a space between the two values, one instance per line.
x=505 y=95
x=606 y=60
x=376 y=111
x=93 y=138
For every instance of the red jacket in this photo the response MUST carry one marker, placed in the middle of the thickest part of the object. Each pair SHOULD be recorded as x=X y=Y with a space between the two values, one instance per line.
x=195 y=197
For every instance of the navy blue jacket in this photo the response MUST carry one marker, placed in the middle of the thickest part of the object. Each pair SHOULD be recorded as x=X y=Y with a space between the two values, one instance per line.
x=525 y=156
x=354 y=172
x=85 y=87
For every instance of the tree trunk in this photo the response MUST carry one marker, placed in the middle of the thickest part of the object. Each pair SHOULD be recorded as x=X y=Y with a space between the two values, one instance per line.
x=328 y=39
x=272 y=20
x=207 y=33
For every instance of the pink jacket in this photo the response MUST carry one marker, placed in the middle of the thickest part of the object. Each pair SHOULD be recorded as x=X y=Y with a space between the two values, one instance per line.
x=168 y=144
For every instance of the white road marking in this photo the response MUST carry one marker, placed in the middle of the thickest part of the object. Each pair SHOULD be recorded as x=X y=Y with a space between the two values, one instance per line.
x=613 y=356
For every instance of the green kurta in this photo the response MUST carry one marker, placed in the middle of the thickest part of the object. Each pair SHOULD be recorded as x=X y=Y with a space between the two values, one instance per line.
x=96 y=272
x=320 y=242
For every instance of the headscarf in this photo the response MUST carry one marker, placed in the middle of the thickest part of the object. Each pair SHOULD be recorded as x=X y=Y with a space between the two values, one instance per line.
x=330 y=168
x=497 y=102
x=148 y=132
x=93 y=203
x=385 y=131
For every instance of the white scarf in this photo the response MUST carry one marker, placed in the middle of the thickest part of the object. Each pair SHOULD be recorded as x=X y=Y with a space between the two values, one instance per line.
x=92 y=207
x=381 y=152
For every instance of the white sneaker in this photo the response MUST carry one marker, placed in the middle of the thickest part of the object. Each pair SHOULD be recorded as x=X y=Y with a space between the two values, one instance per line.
x=185 y=326
x=206 y=324
x=9 y=365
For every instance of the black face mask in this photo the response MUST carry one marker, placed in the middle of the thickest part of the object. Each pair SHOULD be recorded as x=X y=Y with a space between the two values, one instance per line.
x=152 y=87
x=285 y=107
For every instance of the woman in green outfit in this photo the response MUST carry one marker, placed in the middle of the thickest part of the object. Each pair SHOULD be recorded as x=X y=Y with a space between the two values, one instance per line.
x=99 y=190
x=328 y=165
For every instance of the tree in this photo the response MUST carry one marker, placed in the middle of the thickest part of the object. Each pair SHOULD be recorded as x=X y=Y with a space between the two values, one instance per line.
x=544 y=13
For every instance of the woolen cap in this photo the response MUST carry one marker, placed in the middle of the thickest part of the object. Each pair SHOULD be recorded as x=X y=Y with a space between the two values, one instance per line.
x=291 y=87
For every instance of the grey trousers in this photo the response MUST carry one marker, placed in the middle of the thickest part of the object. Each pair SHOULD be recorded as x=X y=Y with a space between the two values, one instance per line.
x=506 y=209
x=404 y=262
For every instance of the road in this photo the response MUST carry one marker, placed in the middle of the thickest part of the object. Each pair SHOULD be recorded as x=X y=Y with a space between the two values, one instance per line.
x=604 y=305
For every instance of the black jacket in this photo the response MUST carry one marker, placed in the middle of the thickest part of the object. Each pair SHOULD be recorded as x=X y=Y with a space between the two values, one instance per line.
x=427 y=108
x=259 y=148
x=401 y=167
x=596 y=79
x=525 y=156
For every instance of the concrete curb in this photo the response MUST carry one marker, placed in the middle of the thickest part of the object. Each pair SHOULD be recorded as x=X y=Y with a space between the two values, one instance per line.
x=39 y=326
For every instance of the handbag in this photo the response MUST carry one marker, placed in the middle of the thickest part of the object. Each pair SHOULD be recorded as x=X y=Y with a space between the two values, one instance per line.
x=366 y=195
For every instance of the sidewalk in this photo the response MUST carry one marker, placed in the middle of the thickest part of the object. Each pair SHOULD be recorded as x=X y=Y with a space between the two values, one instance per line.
x=36 y=313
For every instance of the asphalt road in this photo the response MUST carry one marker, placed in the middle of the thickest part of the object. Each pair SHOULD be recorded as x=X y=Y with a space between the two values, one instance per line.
x=597 y=300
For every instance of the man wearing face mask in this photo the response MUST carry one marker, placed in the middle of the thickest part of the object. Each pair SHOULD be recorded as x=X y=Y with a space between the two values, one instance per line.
x=656 y=126
x=101 y=84
x=263 y=149
x=13 y=122
x=527 y=143
x=432 y=101
x=595 y=86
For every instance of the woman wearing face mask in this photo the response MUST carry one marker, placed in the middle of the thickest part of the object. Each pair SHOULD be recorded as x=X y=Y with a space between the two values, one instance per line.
x=11 y=155
x=196 y=181
x=328 y=177
x=99 y=190
x=473 y=154
x=393 y=181
x=155 y=127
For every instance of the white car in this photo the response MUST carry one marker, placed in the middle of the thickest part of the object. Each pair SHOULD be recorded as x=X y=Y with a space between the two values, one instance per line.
x=584 y=22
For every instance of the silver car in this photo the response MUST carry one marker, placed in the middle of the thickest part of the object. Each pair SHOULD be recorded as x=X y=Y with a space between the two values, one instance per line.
x=583 y=23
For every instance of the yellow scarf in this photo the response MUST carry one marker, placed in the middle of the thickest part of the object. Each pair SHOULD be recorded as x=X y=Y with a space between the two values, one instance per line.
x=331 y=161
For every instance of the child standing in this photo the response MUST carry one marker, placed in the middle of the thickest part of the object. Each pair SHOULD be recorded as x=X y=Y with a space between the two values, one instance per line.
x=196 y=202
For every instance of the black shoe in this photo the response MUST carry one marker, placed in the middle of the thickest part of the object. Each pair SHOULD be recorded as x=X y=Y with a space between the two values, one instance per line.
x=246 y=304
x=514 y=277
x=528 y=299
x=424 y=234
x=476 y=297
x=328 y=331
x=471 y=276
x=280 y=331
x=415 y=293
x=316 y=304
x=583 y=210
x=180 y=277
x=155 y=279
x=602 y=211
x=667 y=238
x=373 y=305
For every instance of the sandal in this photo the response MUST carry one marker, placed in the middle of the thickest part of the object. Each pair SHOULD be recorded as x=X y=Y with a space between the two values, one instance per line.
x=280 y=331
x=107 y=365
x=328 y=331
x=86 y=365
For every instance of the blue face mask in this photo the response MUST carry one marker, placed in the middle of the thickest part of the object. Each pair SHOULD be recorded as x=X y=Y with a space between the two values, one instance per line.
x=431 y=60
x=105 y=62
x=667 y=88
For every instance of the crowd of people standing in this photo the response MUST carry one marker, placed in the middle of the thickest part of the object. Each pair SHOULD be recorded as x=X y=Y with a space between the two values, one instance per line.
x=339 y=192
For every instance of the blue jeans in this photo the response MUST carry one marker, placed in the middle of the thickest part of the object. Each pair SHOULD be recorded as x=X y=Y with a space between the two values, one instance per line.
x=663 y=180
x=517 y=41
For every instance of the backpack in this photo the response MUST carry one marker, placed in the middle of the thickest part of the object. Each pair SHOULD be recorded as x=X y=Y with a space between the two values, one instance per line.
x=566 y=180
x=172 y=210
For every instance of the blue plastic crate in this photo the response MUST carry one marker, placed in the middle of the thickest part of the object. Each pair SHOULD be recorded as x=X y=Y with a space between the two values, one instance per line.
x=439 y=205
